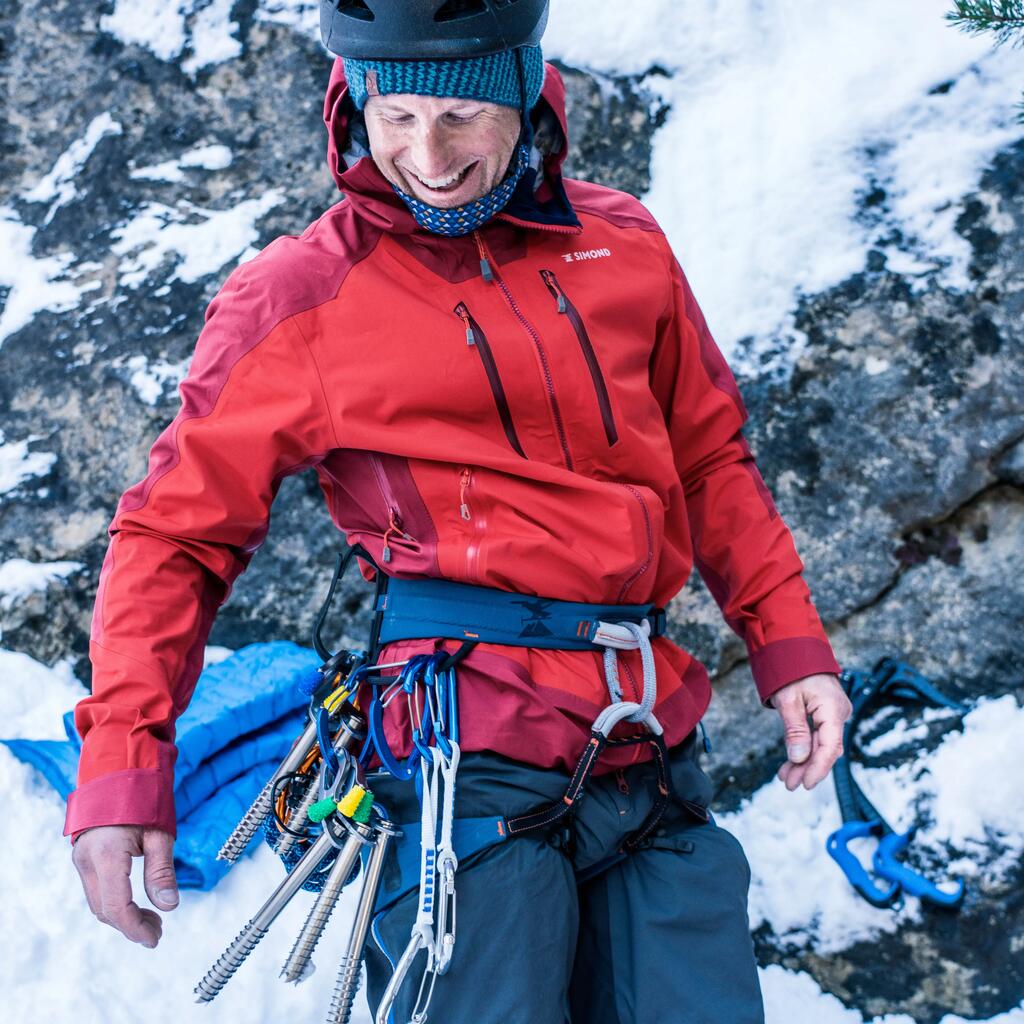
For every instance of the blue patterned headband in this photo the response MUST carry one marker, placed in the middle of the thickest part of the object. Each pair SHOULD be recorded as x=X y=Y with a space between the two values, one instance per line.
x=493 y=79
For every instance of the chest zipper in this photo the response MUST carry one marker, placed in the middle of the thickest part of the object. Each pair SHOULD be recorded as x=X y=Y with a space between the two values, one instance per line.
x=475 y=338
x=549 y=384
x=394 y=514
x=472 y=515
x=566 y=307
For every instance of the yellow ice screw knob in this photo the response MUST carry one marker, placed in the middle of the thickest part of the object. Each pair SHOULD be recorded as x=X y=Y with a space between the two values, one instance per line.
x=350 y=802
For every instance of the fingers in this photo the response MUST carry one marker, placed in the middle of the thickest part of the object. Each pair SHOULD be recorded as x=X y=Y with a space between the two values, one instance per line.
x=90 y=883
x=158 y=870
x=103 y=859
x=828 y=746
x=791 y=706
x=812 y=753
x=117 y=908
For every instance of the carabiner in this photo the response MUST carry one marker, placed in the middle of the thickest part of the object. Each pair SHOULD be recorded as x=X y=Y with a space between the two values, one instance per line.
x=402 y=968
x=375 y=721
x=446 y=912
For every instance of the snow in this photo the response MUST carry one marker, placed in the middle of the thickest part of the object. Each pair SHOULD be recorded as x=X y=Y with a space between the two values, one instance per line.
x=63 y=957
x=35 y=284
x=160 y=27
x=210 y=158
x=757 y=170
x=791 y=997
x=151 y=378
x=302 y=15
x=213 y=38
x=58 y=187
x=20 y=577
x=973 y=821
x=204 y=243
x=18 y=464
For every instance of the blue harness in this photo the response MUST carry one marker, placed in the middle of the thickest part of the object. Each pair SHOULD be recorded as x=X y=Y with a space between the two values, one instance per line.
x=422 y=608
x=426 y=608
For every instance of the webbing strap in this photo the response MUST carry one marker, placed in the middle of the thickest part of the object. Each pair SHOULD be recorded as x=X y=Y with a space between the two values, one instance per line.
x=423 y=608
x=550 y=814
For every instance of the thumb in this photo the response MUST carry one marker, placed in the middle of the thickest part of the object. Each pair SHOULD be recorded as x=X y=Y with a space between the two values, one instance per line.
x=797 y=731
x=158 y=868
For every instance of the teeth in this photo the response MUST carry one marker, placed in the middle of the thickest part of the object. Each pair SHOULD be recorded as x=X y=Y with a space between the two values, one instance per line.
x=442 y=182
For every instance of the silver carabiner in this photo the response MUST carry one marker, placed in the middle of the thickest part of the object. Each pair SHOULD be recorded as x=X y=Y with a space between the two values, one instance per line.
x=402 y=968
x=446 y=911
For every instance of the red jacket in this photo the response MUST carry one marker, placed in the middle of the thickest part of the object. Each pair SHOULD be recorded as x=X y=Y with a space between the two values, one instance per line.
x=567 y=428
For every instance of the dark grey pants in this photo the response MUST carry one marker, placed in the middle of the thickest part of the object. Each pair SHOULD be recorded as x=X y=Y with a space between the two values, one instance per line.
x=660 y=936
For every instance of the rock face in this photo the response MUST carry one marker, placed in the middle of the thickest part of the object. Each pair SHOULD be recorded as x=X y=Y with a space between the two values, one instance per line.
x=895 y=449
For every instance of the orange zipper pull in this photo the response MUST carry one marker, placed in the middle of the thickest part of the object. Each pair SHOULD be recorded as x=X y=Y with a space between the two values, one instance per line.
x=552 y=283
x=485 y=265
x=394 y=526
x=464 y=316
x=464 y=477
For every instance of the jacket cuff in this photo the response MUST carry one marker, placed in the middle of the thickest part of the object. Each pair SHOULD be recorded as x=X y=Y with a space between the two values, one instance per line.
x=784 y=661
x=135 y=796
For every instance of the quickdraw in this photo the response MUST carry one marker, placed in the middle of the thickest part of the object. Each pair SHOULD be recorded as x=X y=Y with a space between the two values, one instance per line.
x=433 y=767
x=890 y=681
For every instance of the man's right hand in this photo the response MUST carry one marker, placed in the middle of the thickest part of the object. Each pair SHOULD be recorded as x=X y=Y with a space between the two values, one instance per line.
x=103 y=858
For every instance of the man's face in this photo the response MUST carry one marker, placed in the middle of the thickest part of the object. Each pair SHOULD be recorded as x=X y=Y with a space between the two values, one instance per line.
x=442 y=150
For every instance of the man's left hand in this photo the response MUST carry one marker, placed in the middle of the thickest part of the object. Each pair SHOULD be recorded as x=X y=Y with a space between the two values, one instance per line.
x=811 y=749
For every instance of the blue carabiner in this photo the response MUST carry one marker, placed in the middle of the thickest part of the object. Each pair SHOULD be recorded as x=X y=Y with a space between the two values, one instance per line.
x=856 y=875
x=414 y=673
x=422 y=733
x=450 y=703
x=889 y=867
x=375 y=726
x=323 y=739
x=439 y=685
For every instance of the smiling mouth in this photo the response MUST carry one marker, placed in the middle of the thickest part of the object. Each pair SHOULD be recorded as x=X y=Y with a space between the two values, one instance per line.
x=449 y=185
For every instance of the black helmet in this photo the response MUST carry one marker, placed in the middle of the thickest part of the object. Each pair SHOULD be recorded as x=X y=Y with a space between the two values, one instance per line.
x=429 y=29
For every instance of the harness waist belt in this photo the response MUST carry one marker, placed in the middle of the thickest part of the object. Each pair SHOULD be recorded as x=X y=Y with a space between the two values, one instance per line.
x=428 y=607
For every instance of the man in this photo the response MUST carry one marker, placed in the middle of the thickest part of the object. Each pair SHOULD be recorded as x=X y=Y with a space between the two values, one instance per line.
x=501 y=378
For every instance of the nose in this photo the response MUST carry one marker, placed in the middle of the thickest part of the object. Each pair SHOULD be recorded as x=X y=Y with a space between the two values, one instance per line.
x=431 y=151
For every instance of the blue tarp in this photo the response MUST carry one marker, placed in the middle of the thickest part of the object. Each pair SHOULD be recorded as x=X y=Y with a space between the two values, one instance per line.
x=246 y=712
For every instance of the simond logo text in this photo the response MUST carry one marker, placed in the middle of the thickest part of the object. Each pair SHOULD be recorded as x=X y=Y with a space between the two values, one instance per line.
x=585 y=254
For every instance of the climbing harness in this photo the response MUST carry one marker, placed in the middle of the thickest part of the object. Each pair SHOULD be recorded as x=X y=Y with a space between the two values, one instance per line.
x=318 y=811
x=889 y=682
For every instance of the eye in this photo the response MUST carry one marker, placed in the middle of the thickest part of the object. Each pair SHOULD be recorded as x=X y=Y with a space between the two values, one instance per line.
x=463 y=118
x=398 y=118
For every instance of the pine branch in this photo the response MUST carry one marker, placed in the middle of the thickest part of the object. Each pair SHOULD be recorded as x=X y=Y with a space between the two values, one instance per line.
x=1004 y=18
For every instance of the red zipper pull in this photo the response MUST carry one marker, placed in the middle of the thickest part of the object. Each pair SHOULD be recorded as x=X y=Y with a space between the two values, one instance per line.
x=623 y=784
x=464 y=478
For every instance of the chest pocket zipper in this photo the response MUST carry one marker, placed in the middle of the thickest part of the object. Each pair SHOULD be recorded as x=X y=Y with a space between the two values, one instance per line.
x=600 y=387
x=475 y=338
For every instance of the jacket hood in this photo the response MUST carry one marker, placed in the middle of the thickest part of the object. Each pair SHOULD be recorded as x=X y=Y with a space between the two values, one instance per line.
x=356 y=174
